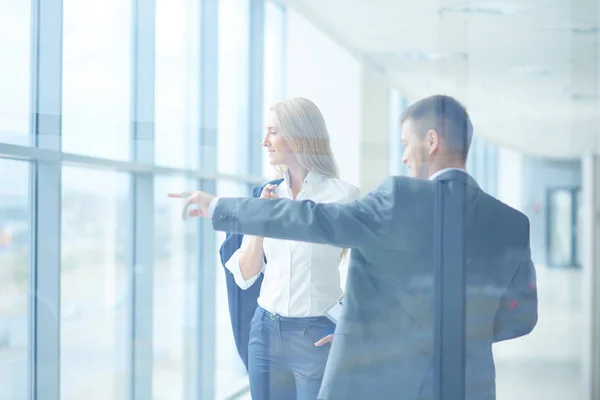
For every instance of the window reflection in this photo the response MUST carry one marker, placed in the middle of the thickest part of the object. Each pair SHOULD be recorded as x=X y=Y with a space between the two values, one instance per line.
x=175 y=289
x=273 y=64
x=231 y=374
x=94 y=295
x=233 y=86
x=177 y=70
x=15 y=30
x=96 y=77
x=14 y=279
x=561 y=251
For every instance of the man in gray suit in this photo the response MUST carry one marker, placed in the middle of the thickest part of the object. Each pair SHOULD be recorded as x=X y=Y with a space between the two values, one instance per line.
x=384 y=344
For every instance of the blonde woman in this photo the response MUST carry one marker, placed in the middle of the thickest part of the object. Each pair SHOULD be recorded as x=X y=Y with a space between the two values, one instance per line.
x=286 y=357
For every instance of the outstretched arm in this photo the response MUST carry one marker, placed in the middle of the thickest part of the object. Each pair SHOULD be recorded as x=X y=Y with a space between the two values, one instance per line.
x=356 y=224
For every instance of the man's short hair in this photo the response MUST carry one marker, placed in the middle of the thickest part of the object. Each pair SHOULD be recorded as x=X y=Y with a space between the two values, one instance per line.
x=447 y=117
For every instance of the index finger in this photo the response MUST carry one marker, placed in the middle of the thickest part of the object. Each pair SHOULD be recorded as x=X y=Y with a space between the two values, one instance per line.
x=180 y=195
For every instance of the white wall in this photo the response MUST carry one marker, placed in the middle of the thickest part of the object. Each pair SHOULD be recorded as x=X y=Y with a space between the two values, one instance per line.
x=376 y=129
x=319 y=69
x=510 y=177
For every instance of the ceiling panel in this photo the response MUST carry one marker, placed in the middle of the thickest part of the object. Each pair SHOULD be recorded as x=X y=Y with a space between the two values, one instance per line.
x=525 y=69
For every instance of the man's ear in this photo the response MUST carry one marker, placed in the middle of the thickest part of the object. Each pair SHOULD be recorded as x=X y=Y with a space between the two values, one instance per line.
x=432 y=141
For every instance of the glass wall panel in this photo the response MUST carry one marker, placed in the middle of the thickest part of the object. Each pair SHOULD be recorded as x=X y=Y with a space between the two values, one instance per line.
x=94 y=284
x=231 y=374
x=177 y=87
x=97 y=78
x=175 y=287
x=274 y=64
x=234 y=28
x=14 y=278
x=15 y=28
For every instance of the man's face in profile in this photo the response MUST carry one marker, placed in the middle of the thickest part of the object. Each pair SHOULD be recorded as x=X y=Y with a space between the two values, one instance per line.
x=415 y=152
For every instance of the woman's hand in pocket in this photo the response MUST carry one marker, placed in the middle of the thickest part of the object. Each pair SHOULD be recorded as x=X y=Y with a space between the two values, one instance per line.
x=325 y=340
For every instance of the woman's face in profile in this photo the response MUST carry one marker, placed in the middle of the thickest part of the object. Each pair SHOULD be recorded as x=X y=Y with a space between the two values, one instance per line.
x=279 y=151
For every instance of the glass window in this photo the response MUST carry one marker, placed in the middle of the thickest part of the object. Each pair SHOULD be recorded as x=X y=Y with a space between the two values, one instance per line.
x=96 y=78
x=493 y=169
x=274 y=59
x=15 y=47
x=233 y=86
x=396 y=105
x=14 y=276
x=560 y=249
x=94 y=318
x=175 y=289
x=177 y=70
x=230 y=371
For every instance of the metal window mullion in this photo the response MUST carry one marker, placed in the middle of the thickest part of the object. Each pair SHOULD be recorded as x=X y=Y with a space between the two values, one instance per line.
x=26 y=153
x=256 y=53
x=206 y=256
x=573 y=195
x=140 y=343
x=45 y=207
x=141 y=284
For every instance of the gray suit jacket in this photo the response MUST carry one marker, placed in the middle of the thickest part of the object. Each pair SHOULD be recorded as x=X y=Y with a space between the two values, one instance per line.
x=384 y=340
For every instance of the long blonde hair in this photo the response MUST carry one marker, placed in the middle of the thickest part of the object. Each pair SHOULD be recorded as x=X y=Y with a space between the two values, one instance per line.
x=301 y=122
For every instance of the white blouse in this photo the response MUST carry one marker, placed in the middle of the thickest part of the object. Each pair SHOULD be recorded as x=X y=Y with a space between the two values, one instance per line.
x=301 y=279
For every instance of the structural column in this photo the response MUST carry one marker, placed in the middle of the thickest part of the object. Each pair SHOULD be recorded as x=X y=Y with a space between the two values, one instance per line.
x=205 y=355
x=585 y=91
x=141 y=273
x=591 y=275
x=46 y=180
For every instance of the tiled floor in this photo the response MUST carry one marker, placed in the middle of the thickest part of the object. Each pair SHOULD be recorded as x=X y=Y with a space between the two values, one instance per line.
x=547 y=363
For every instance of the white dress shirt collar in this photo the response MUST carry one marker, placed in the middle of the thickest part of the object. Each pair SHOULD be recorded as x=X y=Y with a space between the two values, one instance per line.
x=441 y=171
x=312 y=178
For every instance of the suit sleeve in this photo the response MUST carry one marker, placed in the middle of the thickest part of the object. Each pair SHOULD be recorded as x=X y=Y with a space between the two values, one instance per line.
x=517 y=314
x=356 y=224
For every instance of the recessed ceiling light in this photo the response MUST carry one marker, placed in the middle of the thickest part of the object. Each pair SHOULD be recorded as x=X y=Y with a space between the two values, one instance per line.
x=531 y=70
x=418 y=55
x=582 y=30
x=413 y=55
x=583 y=97
x=484 y=7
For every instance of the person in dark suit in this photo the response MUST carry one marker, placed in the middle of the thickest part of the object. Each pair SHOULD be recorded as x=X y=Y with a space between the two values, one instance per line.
x=384 y=346
x=242 y=303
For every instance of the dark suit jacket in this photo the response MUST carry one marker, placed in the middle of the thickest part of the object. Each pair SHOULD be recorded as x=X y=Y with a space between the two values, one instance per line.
x=242 y=303
x=385 y=337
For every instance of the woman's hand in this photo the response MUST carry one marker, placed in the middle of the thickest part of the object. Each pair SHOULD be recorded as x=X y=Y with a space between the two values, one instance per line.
x=269 y=192
x=325 y=340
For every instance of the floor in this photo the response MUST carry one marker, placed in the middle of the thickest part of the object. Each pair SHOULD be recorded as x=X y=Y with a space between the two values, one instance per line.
x=547 y=364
